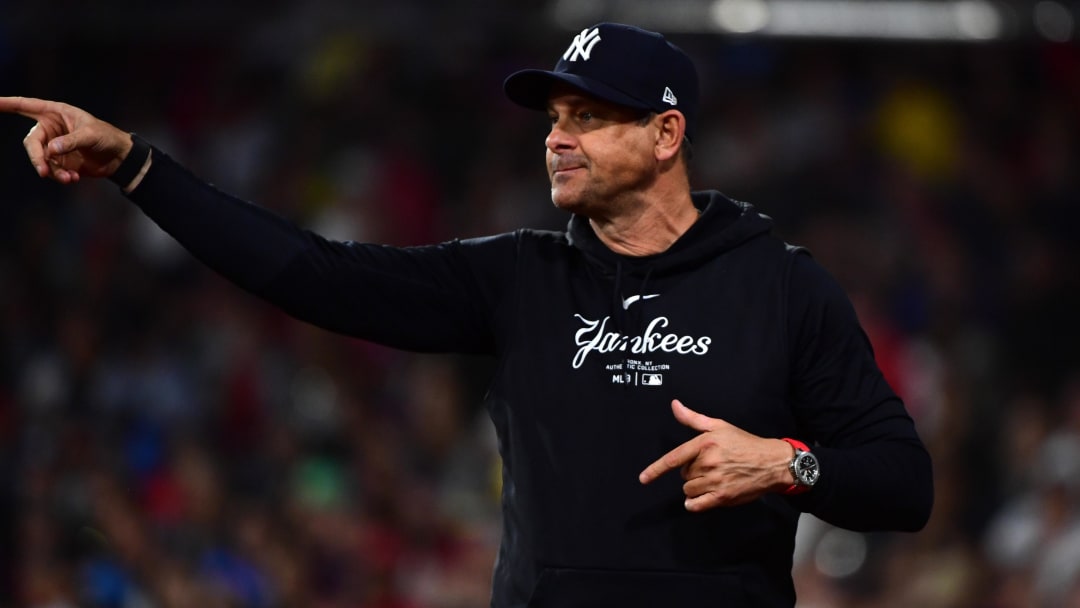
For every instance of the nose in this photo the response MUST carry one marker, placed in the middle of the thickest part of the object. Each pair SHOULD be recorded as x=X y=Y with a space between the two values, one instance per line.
x=559 y=139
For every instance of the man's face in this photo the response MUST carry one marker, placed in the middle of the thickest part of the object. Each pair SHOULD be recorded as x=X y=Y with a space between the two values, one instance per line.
x=599 y=154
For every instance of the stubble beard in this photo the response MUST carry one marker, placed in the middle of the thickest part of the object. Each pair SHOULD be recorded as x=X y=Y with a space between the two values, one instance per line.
x=592 y=200
x=570 y=193
x=581 y=194
x=572 y=202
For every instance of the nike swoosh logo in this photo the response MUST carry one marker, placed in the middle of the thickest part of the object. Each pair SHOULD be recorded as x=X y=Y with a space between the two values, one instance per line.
x=628 y=301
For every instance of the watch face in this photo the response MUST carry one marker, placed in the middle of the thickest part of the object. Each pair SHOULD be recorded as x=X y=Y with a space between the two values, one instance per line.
x=806 y=468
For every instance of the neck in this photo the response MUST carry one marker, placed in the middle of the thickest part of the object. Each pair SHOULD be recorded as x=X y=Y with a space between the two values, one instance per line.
x=648 y=227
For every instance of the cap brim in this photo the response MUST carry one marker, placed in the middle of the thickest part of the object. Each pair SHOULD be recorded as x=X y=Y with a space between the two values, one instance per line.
x=532 y=88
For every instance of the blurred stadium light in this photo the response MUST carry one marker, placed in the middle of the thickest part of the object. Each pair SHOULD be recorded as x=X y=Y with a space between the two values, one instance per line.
x=1054 y=21
x=915 y=20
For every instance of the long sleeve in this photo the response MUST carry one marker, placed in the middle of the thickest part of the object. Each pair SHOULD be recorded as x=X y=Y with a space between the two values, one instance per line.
x=438 y=298
x=876 y=472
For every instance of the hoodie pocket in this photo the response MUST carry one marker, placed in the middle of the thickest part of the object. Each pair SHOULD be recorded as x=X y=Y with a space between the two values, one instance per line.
x=574 y=588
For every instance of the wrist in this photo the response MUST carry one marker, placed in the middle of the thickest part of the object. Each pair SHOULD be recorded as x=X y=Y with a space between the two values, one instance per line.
x=803 y=468
x=133 y=166
x=783 y=453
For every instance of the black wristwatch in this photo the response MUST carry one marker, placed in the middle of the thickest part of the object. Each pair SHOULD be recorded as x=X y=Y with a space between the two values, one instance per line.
x=132 y=164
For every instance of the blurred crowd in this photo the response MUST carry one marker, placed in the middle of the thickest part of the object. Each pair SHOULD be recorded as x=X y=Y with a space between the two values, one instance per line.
x=167 y=440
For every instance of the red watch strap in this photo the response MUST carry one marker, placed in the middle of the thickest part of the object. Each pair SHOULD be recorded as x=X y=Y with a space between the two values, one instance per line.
x=796 y=488
x=795 y=443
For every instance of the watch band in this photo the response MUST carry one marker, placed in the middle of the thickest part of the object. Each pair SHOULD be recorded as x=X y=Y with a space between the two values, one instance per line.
x=795 y=443
x=796 y=488
x=133 y=163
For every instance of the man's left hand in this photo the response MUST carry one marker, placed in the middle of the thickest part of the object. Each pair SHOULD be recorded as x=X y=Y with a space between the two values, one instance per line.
x=724 y=465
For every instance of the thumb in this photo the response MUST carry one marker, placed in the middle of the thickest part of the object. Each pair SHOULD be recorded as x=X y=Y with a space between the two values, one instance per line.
x=63 y=144
x=692 y=419
x=100 y=144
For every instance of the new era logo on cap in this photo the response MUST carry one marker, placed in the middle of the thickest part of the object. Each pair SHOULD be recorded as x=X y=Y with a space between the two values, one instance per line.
x=619 y=63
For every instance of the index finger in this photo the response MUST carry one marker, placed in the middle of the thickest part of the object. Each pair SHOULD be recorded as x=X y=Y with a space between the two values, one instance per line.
x=35 y=140
x=27 y=106
x=674 y=459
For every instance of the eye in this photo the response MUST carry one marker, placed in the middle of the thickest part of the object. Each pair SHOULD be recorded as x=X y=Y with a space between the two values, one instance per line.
x=585 y=116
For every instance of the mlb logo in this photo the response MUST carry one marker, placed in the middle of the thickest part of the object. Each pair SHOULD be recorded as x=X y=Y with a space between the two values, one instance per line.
x=652 y=379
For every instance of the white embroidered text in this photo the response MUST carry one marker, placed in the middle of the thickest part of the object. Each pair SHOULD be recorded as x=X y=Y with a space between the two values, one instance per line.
x=594 y=337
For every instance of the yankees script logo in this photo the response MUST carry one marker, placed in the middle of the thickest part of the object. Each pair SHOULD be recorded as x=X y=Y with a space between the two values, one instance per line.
x=582 y=45
x=594 y=337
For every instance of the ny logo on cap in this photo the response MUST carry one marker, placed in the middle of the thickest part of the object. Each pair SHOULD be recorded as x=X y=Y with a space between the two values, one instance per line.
x=582 y=45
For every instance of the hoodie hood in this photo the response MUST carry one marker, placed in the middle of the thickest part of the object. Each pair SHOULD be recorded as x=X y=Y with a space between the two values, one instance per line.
x=724 y=224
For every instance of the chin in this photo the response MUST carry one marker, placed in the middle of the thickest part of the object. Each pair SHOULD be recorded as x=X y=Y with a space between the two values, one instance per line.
x=566 y=201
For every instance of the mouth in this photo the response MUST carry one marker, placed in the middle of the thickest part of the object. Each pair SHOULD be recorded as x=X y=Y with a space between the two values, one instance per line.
x=565 y=170
x=565 y=165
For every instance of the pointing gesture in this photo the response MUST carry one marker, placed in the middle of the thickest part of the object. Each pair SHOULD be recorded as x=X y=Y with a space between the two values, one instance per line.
x=67 y=143
x=724 y=465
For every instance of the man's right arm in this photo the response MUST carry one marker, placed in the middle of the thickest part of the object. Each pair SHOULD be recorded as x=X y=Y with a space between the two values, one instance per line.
x=431 y=298
x=434 y=298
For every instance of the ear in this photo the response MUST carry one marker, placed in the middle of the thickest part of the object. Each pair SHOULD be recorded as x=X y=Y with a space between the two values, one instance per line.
x=671 y=126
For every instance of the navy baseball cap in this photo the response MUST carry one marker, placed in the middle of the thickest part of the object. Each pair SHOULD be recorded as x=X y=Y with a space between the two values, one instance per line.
x=619 y=63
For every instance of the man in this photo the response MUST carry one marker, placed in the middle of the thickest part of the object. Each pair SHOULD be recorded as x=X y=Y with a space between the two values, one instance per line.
x=663 y=330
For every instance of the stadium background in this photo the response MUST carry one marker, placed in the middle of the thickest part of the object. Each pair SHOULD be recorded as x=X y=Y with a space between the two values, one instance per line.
x=166 y=440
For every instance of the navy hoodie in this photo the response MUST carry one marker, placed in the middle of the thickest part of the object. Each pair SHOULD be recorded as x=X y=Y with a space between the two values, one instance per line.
x=592 y=347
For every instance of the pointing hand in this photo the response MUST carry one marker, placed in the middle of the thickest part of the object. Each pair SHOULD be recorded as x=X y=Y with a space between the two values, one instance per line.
x=67 y=143
x=724 y=465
